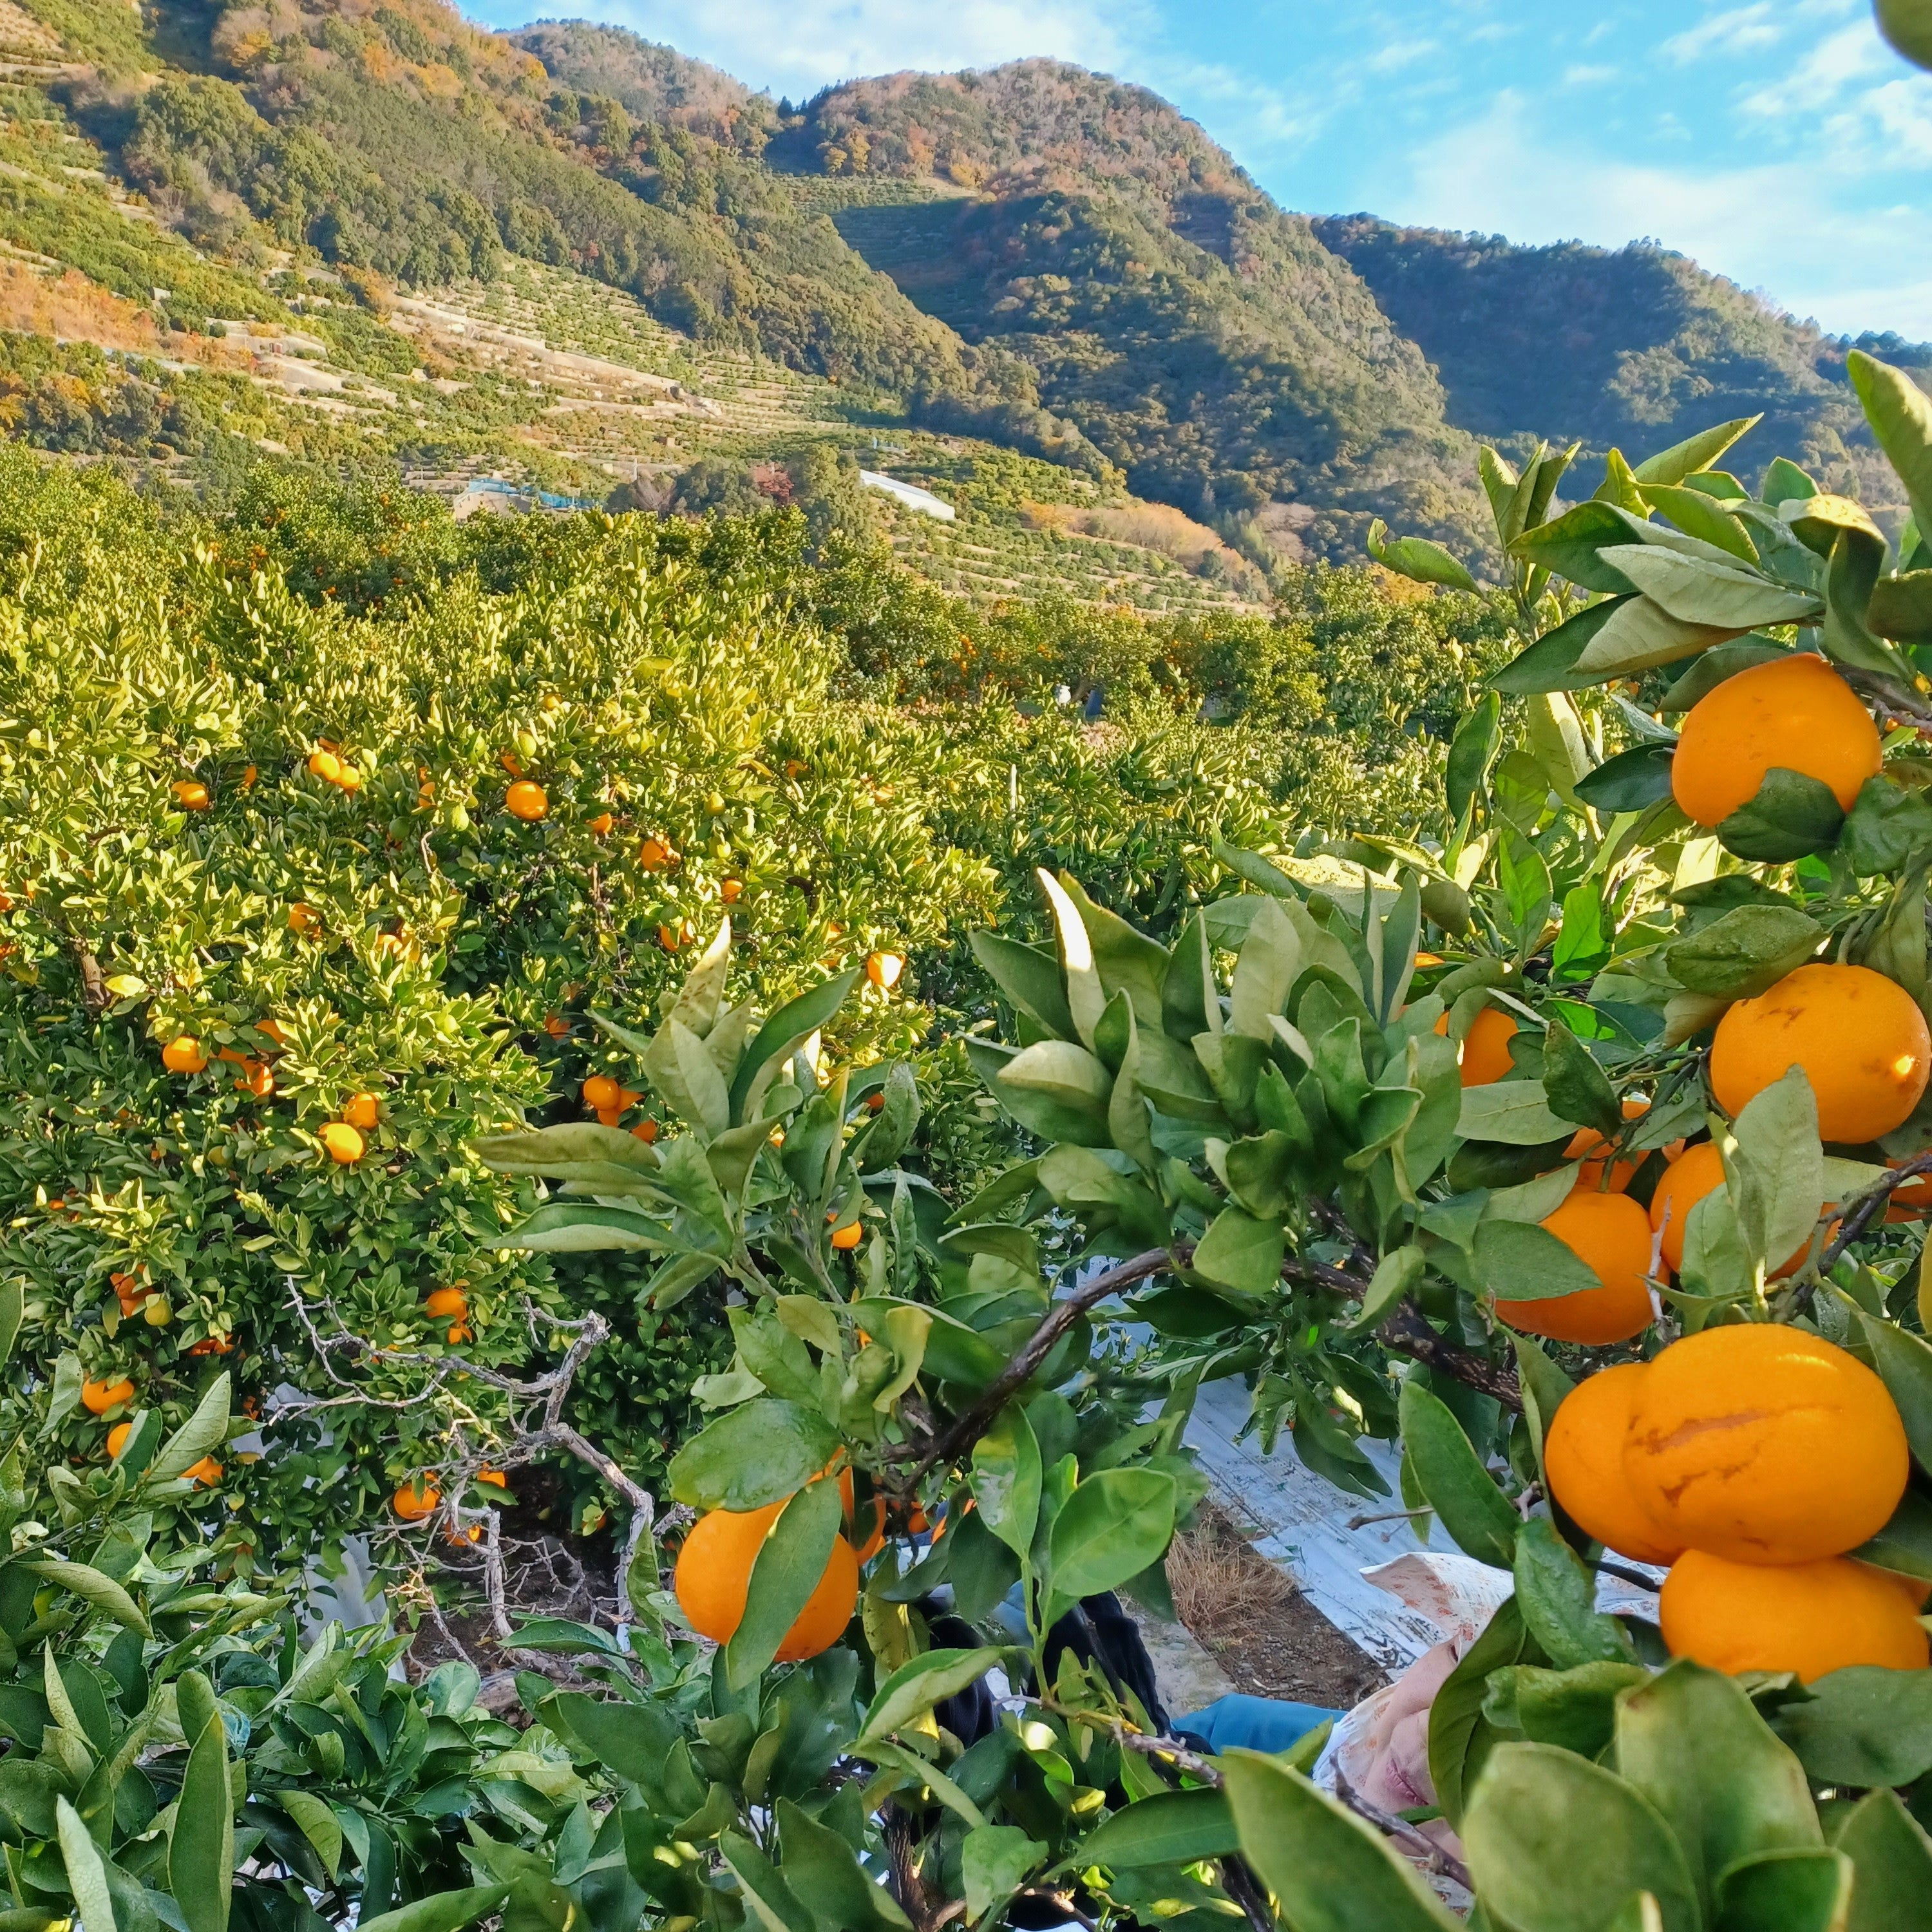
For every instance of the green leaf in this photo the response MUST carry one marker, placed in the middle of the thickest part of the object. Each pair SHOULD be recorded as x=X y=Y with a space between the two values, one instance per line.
x=1454 y=1483
x=1792 y=816
x=1577 y=1087
x=786 y=1571
x=1693 y=590
x=752 y=1455
x=1458 y=1734
x=1059 y=1090
x=1007 y=1478
x=1576 y=1707
x=1397 y=1276
x=1570 y=545
x=1863 y=1726
x=1416 y=559
x=1550 y=663
x=787 y=1030
x=1721 y=661
x=1641 y=634
x=633 y=1740
x=1892 y=1859
x=1697 y=514
x=1471 y=754
x=1629 y=782
x=583 y=1227
x=1126 y=959
x=441 y=1912
x=1785 y=1891
x=1691 y=1742
x=201 y=1846
x=201 y=1435
x=101 y=1591
x=1695 y=454
x=913 y=1689
x=1111 y=1527
x=823 y=1872
x=1269 y=963
x=1516 y=1112
x=1028 y=980
x=1888 y=827
x=1172 y=1827
x=1901 y=607
x=760 y=1883
x=86 y=1870
x=1903 y=1361
x=995 y=1861
x=576 y=1150
x=1744 y=951
x=1776 y=1175
x=1241 y=1252
x=1518 y=1261
x=1330 y=1870
x=1558 y=1844
x=316 y=1822
x=1899 y=412
x=1558 y=1598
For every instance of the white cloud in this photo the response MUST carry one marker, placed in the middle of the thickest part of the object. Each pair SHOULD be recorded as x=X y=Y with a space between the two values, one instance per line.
x=1738 y=30
x=1590 y=77
x=1786 y=226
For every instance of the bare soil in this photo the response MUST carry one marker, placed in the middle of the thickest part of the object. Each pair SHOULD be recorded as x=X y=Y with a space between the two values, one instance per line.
x=1267 y=1637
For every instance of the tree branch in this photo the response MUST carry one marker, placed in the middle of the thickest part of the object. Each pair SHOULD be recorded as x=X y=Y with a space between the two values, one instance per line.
x=1409 y=1332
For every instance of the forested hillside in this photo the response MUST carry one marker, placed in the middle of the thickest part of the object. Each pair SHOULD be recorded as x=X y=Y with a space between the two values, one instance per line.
x=569 y=258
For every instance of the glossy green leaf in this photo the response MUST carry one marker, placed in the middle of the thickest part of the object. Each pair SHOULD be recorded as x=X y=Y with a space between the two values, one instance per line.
x=1776 y=1175
x=1007 y=1479
x=1629 y=782
x=823 y=1874
x=201 y=1845
x=1241 y=1252
x=1695 y=454
x=1330 y=1870
x=786 y=1031
x=1558 y=1844
x=1558 y=1598
x=1899 y=411
x=1417 y=559
x=1744 y=951
x=633 y=1739
x=441 y=1911
x=1693 y=590
x=1641 y=634
x=1515 y=1112
x=786 y=1571
x=1459 y=1736
x=1518 y=1261
x=1111 y=1527
x=1863 y=1727
x=752 y=1455
x=1792 y=816
x=995 y=1861
x=1029 y=980
x=1474 y=1512
x=915 y=1687
x=1172 y=1827
x=1785 y=1891
x=1891 y=1861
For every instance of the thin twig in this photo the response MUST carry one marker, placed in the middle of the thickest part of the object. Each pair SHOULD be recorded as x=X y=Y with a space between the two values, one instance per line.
x=1432 y=1855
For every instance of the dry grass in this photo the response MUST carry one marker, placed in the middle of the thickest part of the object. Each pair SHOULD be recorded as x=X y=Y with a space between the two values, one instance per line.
x=1218 y=1583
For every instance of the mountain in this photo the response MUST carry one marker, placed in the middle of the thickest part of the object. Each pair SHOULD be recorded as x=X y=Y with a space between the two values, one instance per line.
x=328 y=228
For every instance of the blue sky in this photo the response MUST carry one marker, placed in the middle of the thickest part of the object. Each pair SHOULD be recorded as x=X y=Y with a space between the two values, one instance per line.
x=1780 y=142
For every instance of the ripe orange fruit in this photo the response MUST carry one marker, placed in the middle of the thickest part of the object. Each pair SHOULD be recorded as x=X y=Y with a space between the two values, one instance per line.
x=214 y=1345
x=1484 y=1053
x=258 y=1078
x=731 y=891
x=1609 y=1233
x=494 y=1478
x=192 y=793
x=609 y=1117
x=714 y=1574
x=526 y=801
x=303 y=918
x=646 y=1131
x=847 y=1238
x=655 y=854
x=350 y=779
x=602 y=824
x=875 y=1541
x=446 y=1303
x=414 y=1500
x=248 y=777
x=117 y=1436
x=875 y=1103
x=1698 y=1170
x=1810 y=1618
x=1583 y=1457
x=1910 y=1199
x=1795 y=714
x=274 y=1030
x=207 y=1472
x=884 y=969
x=670 y=938
x=390 y=946
x=97 y=1398
x=556 y=1026
x=1860 y=1038
x=1766 y=1444
x=600 y=1093
x=342 y=1143
x=184 y=1053
x=326 y=766
x=362 y=1111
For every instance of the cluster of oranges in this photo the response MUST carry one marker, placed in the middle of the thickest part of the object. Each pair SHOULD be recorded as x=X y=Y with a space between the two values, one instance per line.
x=418 y=1499
x=713 y=1577
x=611 y=1101
x=343 y=1140
x=1862 y=1042
x=1750 y=1460
x=326 y=763
x=451 y=1305
x=205 y=1474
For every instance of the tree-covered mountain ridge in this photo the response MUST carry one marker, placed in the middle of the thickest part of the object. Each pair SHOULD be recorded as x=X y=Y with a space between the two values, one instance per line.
x=1035 y=256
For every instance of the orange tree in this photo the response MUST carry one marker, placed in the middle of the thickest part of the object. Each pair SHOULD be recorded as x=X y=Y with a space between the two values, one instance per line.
x=1403 y=1135
x=297 y=901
